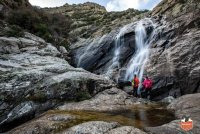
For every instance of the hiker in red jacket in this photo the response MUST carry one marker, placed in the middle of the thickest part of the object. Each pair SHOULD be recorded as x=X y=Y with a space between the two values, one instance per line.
x=147 y=86
x=135 y=84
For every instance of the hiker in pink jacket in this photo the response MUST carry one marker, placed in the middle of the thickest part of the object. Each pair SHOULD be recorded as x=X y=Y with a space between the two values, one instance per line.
x=147 y=86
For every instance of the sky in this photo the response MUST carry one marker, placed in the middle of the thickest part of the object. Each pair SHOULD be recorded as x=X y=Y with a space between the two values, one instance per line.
x=111 y=5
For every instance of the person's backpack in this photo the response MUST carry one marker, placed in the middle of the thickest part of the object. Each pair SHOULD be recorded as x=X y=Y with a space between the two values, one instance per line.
x=133 y=83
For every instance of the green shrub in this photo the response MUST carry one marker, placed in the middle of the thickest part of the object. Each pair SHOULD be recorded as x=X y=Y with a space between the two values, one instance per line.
x=36 y=21
x=24 y=18
x=41 y=29
x=14 y=31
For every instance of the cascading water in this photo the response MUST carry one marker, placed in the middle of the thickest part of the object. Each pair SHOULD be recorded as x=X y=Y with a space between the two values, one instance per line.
x=118 y=43
x=115 y=60
x=138 y=61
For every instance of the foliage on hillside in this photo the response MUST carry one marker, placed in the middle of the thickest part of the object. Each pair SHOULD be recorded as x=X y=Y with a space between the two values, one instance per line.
x=62 y=25
x=53 y=28
x=15 y=4
x=90 y=19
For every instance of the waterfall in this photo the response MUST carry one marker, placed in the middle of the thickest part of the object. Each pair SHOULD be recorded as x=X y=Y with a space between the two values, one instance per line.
x=116 y=56
x=137 y=63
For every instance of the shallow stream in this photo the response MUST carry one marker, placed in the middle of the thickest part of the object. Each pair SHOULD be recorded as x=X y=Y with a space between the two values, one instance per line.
x=139 y=116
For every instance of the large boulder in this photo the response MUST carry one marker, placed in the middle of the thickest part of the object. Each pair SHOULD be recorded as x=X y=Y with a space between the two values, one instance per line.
x=184 y=106
x=108 y=100
x=33 y=70
x=49 y=123
x=95 y=127
x=126 y=130
x=100 y=127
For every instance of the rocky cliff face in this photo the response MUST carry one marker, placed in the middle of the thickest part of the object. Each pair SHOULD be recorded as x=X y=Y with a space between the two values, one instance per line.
x=174 y=8
x=98 y=54
x=34 y=76
x=174 y=57
x=173 y=63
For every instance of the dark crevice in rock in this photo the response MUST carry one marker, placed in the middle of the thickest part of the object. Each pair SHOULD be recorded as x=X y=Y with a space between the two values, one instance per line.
x=10 y=125
x=197 y=87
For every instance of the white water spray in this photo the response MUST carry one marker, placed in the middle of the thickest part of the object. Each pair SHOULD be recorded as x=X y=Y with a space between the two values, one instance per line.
x=118 y=43
x=138 y=61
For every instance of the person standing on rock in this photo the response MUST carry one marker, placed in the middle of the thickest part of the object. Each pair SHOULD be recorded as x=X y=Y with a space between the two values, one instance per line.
x=135 y=84
x=147 y=85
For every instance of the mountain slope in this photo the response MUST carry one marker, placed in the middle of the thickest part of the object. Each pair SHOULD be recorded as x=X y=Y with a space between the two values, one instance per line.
x=13 y=4
x=174 y=8
x=91 y=19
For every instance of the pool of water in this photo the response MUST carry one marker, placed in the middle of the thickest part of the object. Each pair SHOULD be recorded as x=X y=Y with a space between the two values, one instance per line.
x=140 y=116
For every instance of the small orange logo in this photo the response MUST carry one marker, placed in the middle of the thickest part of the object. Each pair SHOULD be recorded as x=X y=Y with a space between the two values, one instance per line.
x=186 y=123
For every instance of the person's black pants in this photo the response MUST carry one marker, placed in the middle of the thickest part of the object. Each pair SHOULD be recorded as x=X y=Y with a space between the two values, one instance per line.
x=147 y=92
x=135 y=91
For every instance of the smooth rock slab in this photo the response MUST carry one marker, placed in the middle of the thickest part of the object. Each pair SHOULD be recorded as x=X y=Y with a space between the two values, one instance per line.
x=108 y=100
x=94 y=127
x=43 y=125
x=100 y=127
x=126 y=130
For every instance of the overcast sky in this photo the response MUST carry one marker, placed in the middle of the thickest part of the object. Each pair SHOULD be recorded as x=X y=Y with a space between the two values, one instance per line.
x=111 y=5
